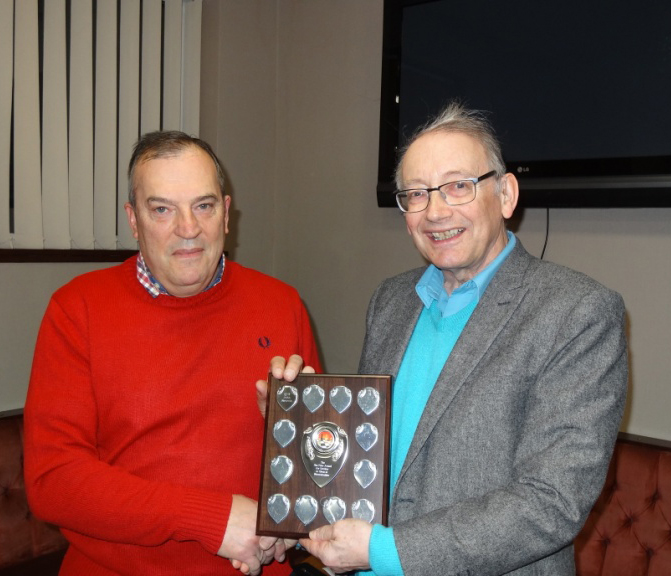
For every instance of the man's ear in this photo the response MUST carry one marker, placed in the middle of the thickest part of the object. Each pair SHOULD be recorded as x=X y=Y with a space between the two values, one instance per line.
x=227 y=210
x=132 y=220
x=510 y=192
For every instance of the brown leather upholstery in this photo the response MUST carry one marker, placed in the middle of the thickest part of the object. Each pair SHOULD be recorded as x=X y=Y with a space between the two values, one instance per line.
x=628 y=532
x=22 y=536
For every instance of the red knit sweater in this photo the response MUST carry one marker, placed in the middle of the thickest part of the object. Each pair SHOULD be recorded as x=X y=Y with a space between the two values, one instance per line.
x=141 y=419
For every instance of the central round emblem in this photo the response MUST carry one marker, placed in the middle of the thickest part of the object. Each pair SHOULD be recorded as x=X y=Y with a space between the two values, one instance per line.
x=324 y=439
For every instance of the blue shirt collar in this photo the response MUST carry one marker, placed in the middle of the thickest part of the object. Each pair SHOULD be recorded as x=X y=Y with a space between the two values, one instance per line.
x=430 y=287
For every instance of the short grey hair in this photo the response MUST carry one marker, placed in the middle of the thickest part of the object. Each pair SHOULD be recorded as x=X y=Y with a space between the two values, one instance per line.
x=163 y=144
x=455 y=117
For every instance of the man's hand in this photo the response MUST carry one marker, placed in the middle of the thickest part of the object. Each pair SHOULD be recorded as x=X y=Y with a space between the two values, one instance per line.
x=281 y=547
x=246 y=550
x=342 y=546
x=282 y=369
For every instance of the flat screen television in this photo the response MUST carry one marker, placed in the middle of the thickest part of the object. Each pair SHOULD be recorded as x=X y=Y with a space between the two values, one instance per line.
x=579 y=91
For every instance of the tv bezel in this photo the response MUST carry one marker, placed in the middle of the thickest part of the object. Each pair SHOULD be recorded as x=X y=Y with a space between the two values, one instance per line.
x=634 y=182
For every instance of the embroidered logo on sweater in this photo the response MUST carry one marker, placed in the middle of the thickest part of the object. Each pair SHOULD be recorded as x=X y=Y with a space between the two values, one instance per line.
x=264 y=342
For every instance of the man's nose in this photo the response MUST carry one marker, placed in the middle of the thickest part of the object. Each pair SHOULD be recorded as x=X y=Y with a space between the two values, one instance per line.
x=188 y=225
x=438 y=207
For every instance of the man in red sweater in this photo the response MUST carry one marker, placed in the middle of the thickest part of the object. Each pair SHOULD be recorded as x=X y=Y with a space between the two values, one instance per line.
x=142 y=435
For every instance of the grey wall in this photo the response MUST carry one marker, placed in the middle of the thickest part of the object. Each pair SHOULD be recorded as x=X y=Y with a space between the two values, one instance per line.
x=24 y=294
x=290 y=99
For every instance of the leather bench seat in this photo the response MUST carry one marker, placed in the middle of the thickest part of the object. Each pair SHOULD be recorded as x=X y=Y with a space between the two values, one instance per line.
x=22 y=536
x=628 y=532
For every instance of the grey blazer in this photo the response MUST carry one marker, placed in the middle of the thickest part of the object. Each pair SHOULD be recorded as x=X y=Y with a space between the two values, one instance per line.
x=514 y=443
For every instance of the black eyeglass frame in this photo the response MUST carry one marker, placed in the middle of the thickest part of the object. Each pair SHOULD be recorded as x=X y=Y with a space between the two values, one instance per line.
x=437 y=188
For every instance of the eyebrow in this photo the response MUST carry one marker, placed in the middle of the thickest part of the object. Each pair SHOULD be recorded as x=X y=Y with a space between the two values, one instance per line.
x=451 y=176
x=161 y=200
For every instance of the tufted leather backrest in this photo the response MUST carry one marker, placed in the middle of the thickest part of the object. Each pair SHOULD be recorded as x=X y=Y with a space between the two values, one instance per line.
x=628 y=532
x=22 y=536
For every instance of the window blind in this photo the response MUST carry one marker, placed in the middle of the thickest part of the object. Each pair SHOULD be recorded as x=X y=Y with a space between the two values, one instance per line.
x=80 y=81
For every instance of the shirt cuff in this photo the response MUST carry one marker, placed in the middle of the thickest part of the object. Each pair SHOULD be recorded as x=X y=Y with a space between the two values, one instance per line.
x=382 y=553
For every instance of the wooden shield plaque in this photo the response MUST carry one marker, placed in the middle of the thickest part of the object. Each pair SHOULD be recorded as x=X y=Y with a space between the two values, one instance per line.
x=325 y=452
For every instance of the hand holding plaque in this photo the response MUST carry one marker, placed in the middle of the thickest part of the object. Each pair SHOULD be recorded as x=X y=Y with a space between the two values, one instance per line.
x=325 y=453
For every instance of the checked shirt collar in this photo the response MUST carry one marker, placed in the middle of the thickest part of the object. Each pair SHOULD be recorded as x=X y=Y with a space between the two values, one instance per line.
x=155 y=288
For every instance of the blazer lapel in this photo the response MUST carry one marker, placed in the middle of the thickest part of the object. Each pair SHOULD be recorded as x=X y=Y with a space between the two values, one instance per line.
x=393 y=352
x=399 y=323
x=498 y=303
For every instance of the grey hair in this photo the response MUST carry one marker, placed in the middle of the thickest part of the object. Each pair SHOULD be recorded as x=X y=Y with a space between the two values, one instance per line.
x=163 y=144
x=455 y=117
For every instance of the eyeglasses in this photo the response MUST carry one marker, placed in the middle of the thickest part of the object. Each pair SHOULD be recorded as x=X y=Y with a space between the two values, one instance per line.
x=454 y=193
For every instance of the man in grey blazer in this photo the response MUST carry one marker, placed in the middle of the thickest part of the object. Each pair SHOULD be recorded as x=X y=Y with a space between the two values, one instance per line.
x=510 y=378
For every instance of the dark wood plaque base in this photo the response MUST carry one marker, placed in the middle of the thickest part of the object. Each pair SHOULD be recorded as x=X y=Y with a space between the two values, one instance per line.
x=344 y=484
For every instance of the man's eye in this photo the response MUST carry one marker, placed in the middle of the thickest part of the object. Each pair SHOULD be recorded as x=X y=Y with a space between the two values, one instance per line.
x=160 y=209
x=204 y=206
x=416 y=194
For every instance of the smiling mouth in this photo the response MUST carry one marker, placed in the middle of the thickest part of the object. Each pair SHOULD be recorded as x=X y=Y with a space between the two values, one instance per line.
x=446 y=235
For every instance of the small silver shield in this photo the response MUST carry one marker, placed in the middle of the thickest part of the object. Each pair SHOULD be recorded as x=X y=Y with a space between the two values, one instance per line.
x=313 y=397
x=278 y=507
x=334 y=509
x=284 y=431
x=281 y=468
x=366 y=435
x=306 y=509
x=368 y=400
x=365 y=472
x=341 y=398
x=287 y=397
x=364 y=510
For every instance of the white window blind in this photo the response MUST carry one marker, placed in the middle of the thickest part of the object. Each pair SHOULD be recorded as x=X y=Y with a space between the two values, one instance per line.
x=80 y=81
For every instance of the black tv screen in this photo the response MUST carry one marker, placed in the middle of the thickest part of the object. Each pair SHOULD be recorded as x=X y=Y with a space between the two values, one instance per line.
x=579 y=92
